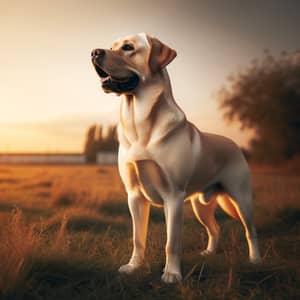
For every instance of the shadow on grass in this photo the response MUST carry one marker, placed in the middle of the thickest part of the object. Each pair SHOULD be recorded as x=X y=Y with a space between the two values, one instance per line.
x=61 y=278
x=287 y=220
x=94 y=225
x=118 y=208
x=114 y=208
x=8 y=207
x=88 y=223
x=271 y=280
x=58 y=278
x=102 y=171
x=41 y=184
x=43 y=194
x=9 y=180
x=290 y=216
x=121 y=209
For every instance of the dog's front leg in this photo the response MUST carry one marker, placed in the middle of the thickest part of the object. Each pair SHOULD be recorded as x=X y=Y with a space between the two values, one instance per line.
x=139 y=210
x=174 y=221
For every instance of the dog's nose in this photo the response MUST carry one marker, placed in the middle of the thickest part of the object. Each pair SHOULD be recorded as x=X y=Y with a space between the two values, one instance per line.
x=98 y=52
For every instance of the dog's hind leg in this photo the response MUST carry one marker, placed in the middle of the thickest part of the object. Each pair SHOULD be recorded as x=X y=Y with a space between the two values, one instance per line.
x=205 y=213
x=239 y=190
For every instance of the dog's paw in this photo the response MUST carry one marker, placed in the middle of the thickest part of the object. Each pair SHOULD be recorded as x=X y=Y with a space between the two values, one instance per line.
x=255 y=260
x=128 y=268
x=207 y=252
x=171 y=277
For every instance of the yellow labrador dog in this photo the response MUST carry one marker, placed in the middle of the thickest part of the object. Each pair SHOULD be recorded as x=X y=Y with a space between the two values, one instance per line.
x=164 y=159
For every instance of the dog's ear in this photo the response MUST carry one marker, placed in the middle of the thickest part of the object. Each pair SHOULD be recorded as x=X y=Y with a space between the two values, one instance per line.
x=160 y=55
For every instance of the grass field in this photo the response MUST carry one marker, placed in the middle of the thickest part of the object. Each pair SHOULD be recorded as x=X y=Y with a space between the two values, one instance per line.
x=65 y=230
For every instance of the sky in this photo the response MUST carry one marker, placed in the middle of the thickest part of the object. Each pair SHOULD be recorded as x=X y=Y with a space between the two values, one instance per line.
x=50 y=93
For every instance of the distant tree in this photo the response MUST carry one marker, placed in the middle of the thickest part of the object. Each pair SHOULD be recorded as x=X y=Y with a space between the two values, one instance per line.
x=110 y=143
x=266 y=97
x=99 y=137
x=97 y=140
x=90 y=148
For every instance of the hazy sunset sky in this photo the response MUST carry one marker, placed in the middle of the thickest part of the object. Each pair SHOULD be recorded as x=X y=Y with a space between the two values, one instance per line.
x=50 y=93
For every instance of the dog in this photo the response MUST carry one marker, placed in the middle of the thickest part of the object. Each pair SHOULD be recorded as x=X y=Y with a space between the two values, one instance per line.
x=164 y=159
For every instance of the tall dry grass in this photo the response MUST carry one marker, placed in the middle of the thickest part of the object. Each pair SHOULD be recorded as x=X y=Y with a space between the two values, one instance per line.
x=30 y=248
x=64 y=231
x=20 y=242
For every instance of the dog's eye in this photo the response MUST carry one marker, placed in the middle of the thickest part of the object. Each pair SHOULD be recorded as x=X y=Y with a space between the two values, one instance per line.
x=127 y=47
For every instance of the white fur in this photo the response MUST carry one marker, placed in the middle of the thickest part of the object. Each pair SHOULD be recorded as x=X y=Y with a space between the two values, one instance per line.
x=164 y=160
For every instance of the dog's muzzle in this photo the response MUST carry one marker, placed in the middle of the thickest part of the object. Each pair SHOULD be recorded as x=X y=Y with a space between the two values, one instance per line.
x=110 y=82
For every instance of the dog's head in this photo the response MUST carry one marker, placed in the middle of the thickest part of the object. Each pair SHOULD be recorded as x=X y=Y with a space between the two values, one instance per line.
x=130 y=62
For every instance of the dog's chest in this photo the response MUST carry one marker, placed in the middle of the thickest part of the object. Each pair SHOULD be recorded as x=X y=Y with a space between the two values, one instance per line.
x=137 y=152
x=136 y=121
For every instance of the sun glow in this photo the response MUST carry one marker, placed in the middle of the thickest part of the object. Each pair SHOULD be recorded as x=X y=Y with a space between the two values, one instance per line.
x=46 y=69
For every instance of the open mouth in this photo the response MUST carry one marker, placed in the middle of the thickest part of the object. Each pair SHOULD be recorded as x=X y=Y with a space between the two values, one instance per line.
x=103 y=75
x=114 y=84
